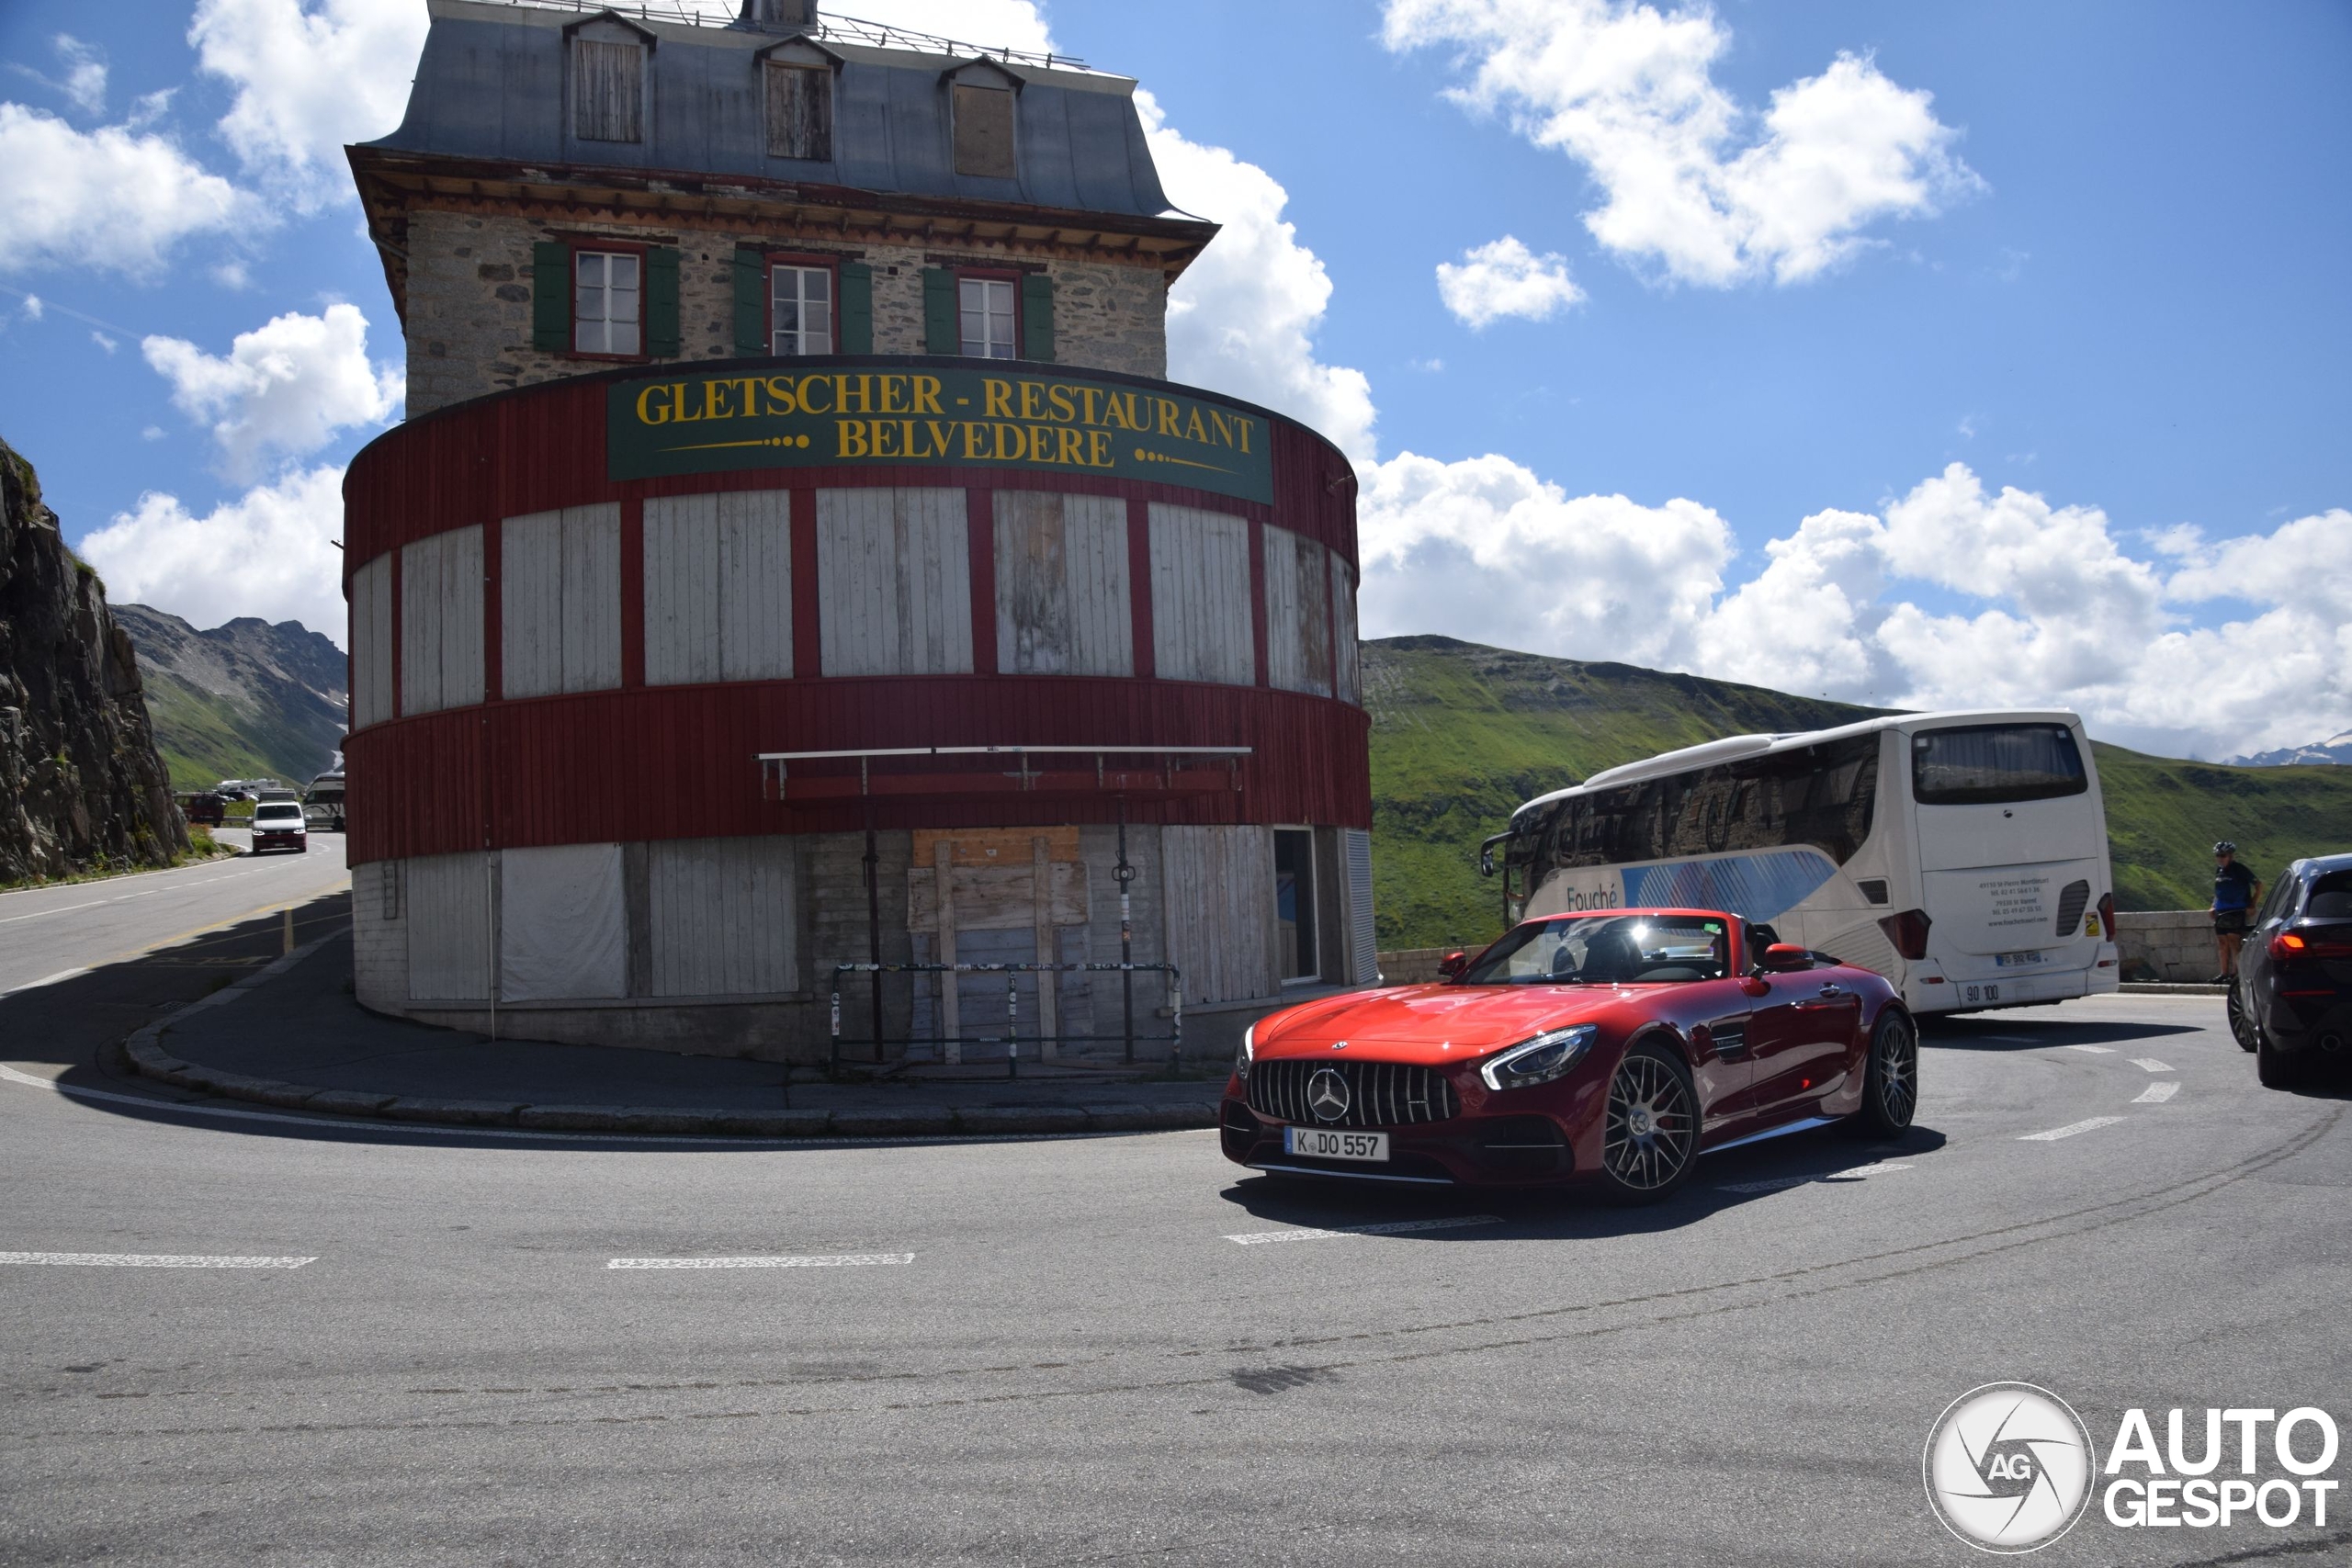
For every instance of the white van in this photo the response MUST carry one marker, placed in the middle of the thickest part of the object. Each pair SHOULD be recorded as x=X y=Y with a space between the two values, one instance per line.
x=278 y=825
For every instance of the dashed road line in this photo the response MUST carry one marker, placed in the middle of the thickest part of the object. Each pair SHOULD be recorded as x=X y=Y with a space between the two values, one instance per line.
x=2070 y=1130
x=2152 y=1063
x=147 y=1260
x=1777 y=1183
x=1391 y=1227
x=2094 y=1050
x=814 y=1260
x=44 y=980
x=2157 y=1093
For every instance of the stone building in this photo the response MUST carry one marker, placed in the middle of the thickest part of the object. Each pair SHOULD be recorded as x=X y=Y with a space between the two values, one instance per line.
x=796 y=558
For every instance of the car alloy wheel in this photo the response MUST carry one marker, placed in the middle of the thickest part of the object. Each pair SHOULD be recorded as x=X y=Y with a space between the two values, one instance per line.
x=2242 y=1025
x=1651 y=1129
x=1889 y=1080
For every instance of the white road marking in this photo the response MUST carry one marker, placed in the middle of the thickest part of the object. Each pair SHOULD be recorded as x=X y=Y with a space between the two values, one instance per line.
x=2157 y=1093
x=44 y=980
x=2094 y=1050
x=60 y=910
x=818 y=1260
x=2151 y=1063
x=2070 y=1130
x=1858 y=1173
x=1391 y=1227
x=148 y=1260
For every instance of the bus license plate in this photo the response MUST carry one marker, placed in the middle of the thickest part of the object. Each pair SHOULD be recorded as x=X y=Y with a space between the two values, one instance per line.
x=1325 y=1142
x=2017 y=960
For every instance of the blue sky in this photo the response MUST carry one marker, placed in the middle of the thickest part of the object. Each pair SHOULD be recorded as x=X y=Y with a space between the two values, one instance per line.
x=2109 y=288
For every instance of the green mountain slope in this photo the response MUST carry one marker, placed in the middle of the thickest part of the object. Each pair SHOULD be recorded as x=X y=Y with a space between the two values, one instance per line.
x=244 y=700
x=1462 y=734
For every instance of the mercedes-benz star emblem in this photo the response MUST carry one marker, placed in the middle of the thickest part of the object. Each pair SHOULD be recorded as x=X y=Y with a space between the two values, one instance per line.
x=1327 y=1096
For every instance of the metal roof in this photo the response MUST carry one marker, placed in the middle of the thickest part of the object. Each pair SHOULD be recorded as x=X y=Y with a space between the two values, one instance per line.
x=489 y=86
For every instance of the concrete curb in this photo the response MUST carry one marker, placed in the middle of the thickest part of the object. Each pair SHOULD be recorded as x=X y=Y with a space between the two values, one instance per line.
x=146 y=1056
x=2170 y=989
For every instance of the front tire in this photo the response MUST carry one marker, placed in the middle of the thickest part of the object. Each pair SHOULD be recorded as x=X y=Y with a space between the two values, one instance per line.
x=1650 y=1127
x=2242 y=1027
x=1889 y=1080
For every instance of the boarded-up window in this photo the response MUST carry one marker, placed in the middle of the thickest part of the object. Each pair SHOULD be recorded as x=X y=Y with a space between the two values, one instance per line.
x=800 y=112
x=371 y=643
x=897 y=570
x=1298 y=614
x=560 y=593
x=452 y=940
x=607 y=90
x=717 y=587
x=984 y=131
x=1344 y=656
x=722 y=916
x=562 y=928
x=1061 y=585
x=1219 y=888
x=441 y=622
x=1200 y=597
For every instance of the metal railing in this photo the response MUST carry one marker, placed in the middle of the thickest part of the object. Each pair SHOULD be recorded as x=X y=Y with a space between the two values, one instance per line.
x=1011 y=1039
x=851 y=30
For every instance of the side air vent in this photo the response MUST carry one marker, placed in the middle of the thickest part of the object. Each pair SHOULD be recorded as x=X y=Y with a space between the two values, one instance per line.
x=2071 y=903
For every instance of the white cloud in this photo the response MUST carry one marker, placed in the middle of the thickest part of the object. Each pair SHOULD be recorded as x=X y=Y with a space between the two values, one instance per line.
x=1503 y=277
x=83 y=81
x=270 y=552
x=1242 y=319
x=33 y=308
x=286 y=388
x=103 y=341
x=310 y=75
x=1690 y=182
x=2050 y=611
x=103 y=198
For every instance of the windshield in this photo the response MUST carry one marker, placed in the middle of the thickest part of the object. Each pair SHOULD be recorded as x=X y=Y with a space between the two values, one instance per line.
x=277 y=814
x=1599 y=950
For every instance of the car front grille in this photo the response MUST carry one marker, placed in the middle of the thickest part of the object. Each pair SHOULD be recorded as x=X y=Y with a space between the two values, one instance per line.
x=1380 y=1094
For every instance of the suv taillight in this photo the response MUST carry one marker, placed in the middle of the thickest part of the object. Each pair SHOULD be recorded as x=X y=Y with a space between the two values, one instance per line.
x=1907 y=931
x=2107 y=915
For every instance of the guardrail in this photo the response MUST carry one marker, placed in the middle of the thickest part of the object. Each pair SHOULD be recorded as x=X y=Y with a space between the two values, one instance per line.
x=1011 y=1039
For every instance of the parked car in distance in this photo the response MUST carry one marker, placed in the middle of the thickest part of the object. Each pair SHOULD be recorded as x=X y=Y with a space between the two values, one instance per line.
x=2291 y=1002
x=278 y=825
x=204 y=806
x=1610 y=1047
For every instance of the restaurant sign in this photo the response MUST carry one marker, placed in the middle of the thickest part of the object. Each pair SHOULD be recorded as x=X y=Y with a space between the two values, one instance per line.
x=888 y=414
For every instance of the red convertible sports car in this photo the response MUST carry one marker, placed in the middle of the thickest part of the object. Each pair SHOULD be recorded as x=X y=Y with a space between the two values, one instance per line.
x=1612 y=1047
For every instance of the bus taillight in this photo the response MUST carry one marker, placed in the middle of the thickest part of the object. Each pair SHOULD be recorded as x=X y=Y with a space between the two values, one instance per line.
x=1907 y=931
x=2107 y=915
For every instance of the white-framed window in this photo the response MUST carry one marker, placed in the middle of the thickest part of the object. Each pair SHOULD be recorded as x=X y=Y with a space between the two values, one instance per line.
x=986 y=308
x=607 y=297
x=800 y=310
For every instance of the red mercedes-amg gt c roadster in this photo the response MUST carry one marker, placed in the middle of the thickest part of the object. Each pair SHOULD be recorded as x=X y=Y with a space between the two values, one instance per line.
x=1612 y=1047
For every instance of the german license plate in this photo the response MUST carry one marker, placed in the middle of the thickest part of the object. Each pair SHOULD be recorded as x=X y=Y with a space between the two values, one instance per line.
x=1326 y=1142
x=2017 y=960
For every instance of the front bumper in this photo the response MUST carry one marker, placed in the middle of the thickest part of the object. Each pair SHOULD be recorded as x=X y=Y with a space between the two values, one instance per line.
x=1523 y=1150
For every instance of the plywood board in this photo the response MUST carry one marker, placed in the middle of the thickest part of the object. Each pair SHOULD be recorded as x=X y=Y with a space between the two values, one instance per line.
x=897 y=573
x=996 y=897
x=996 y=846
x=723 y=917
x=1200 y=597
x=1063 y=603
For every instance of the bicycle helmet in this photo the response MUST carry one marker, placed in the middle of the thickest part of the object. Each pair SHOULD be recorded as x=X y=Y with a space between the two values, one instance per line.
x=2225 y=848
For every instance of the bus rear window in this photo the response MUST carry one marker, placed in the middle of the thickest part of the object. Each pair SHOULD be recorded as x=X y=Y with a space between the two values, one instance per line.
x=1988 y=765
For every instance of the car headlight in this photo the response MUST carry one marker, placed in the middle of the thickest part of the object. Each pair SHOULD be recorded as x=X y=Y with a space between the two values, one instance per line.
x=1242 y=1058
x=1547 y=1056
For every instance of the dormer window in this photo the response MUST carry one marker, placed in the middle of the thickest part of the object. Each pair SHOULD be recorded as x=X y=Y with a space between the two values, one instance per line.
x=800 y=112
x=980 y=103
x=607 y=81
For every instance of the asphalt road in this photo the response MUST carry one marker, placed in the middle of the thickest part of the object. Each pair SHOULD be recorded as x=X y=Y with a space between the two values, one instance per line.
x=1069 y=1351
x=48 y=934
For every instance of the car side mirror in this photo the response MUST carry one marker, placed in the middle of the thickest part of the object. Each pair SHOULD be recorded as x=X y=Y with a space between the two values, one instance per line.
x=1784 y=956
x=1452 y=965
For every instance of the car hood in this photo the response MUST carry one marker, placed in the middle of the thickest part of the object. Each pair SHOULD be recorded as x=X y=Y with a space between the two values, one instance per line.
x=1432 y=1024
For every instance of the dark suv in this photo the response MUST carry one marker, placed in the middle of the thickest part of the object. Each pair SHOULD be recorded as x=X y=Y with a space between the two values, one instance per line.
x=2291 y=1004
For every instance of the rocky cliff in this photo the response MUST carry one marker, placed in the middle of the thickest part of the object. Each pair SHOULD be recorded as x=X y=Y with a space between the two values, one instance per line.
x=80 y=783
x=243 y=700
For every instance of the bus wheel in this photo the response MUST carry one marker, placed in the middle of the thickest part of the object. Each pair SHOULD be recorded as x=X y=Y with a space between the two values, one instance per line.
x=1890 y=1080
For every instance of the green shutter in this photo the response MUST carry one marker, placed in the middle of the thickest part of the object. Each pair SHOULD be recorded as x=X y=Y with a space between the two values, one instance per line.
x=661 y=302
x=751 y=301
x=1037 y=316
x=551 y=297
x=857 y=307
x=942 y=332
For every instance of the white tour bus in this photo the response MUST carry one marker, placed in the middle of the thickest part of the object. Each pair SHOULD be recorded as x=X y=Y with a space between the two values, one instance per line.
x=1962 y=856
